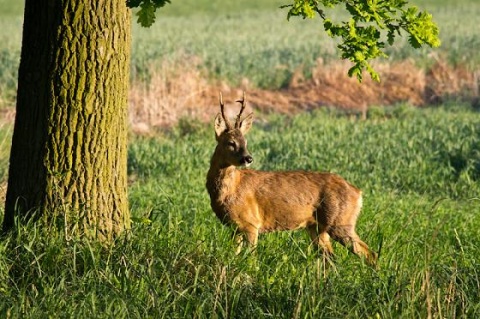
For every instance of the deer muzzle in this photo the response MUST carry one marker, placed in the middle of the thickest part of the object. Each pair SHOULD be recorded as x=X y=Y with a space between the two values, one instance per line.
x=246 y=160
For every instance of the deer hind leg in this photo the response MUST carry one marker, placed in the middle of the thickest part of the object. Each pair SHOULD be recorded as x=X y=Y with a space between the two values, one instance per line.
x=347 y=236
x=249 y=235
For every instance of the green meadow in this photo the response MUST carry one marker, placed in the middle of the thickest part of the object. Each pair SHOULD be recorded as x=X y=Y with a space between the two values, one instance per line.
x=420 y=173
x=419 y=169
x=232 y=40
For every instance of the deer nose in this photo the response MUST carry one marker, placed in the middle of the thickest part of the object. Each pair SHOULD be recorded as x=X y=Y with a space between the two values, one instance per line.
x=248 y=159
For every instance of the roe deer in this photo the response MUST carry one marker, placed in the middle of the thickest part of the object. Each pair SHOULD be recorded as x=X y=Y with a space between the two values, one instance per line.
x=262 y=201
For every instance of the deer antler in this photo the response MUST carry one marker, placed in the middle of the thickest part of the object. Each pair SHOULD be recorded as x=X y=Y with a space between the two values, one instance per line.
x=243 y=102
x=222 y=110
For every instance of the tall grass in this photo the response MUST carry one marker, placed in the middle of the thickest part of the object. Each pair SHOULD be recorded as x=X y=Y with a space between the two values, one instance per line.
x=10 y=40
x=5 y=138
x=419 y=170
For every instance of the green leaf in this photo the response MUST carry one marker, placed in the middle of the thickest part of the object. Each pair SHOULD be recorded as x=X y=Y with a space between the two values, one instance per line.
x=160 y=3
x=303 y=8
x=359 y=56
x=414 y=41
x=139 y=3
x=327 y=24
x=356 y=70
x=146 y=14
x=133 y=3
x=391 y=34
x=373 y=74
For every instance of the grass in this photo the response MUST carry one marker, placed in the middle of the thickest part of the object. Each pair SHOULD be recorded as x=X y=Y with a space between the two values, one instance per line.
x=5 y=140
x=248 y=40
x=419 y=170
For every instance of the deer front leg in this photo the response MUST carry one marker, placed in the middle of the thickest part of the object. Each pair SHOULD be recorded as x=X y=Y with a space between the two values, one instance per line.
x=320 y=239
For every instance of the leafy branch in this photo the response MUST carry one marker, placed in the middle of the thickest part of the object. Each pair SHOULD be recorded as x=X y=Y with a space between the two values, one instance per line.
x=372 y=21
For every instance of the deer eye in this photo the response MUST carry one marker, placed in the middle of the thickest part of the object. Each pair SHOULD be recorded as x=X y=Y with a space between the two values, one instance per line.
x=232 y=145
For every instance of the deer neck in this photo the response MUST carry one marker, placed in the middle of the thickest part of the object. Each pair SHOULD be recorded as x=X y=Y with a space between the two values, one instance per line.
x=222 y=178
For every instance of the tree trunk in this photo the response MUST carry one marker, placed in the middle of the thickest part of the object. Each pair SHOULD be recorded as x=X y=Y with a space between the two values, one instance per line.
x=69 y=148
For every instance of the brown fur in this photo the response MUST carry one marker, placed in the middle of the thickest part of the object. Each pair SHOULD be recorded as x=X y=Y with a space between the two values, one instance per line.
x=259 y=201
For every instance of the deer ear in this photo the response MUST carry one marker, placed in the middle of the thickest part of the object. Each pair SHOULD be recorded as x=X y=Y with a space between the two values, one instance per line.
x=220 y=125
x=246 y=123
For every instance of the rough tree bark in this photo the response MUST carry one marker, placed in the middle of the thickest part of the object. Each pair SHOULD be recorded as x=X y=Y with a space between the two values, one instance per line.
x=69 y=148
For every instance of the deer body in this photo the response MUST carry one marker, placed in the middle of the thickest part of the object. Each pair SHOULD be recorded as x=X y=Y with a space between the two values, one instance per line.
x=263 y=201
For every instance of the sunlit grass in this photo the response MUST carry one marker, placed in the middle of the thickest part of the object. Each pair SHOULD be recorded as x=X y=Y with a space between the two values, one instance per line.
x=5 y=140
x=421 y=207
x=419 y=171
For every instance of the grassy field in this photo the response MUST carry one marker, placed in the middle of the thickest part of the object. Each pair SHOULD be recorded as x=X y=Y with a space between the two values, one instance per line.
x=420 y=173
x=262 y=46
x=419 y=170
x=232 y=41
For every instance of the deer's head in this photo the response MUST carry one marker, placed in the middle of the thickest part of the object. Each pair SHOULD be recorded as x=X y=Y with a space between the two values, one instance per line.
x=232 y=145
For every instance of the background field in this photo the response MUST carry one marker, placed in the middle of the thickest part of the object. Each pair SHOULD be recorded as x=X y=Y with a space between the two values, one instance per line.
x=419 y=169
x=197 y=48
